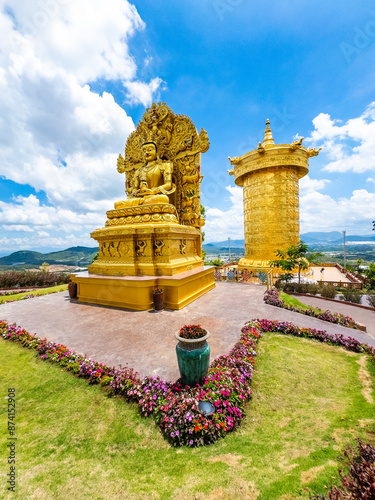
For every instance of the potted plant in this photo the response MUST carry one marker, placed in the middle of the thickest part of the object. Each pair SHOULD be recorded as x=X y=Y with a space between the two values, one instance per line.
x=72 y=289
x=193 y=354
x=157 y=297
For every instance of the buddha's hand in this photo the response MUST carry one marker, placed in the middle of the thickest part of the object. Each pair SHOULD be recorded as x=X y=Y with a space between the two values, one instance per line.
x=144 y=192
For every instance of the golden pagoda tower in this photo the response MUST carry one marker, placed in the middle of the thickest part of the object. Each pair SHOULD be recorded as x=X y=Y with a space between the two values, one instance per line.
x=152 y=238
x=270 y=176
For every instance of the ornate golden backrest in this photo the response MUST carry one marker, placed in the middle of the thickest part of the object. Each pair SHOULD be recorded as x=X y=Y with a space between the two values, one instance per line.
x=177 y=141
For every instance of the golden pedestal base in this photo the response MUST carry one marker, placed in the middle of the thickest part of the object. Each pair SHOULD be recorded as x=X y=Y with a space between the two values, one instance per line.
x=141 y=248
x=254 y=265
x=136 y=292
x=146 y=241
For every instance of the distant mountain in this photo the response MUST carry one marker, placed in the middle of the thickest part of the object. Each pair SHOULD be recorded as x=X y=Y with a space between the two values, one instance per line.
x=224 y=244
x=74 y=256
x=334 y=237
x=357 y=238
x=318 y=237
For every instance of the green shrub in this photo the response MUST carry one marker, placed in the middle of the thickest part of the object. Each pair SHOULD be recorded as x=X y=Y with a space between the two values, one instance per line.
x=359 y=483
x=328 y=291
x=10 y=279
x=312 y=288
x=289 y=287
x=279 y=284
x=301 y=287
x=352 y=295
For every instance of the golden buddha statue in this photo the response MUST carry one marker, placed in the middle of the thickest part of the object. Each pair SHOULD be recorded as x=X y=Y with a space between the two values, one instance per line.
x=152 y=182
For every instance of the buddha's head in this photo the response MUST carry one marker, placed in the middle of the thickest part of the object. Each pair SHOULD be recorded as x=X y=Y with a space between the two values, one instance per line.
x=149 y=151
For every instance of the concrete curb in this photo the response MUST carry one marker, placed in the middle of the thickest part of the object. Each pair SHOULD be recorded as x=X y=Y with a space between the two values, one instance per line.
x=369 y=308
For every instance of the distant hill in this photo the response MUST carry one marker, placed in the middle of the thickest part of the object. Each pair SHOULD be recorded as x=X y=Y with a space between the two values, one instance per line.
x=223 y=245
x=320 y=237
x=74 y=256
x=356 y=238
x=334 y=237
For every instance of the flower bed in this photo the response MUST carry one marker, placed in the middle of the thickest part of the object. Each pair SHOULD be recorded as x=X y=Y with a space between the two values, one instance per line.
x=272 y=298
x=176 y=408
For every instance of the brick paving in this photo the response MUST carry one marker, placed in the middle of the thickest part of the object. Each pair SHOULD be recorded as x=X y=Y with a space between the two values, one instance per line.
x=145 y=339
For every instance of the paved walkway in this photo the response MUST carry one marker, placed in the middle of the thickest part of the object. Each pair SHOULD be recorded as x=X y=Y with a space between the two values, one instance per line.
x=364 y=316
x=145 y=339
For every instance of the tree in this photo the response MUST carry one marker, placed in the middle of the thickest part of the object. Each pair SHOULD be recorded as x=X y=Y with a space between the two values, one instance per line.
x=44 y=267
x=370 y=273
x=217 y=262
x=314 y=257
x=294 y=257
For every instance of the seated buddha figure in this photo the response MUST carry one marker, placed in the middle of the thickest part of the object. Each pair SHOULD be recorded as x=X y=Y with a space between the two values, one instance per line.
x=152 y=181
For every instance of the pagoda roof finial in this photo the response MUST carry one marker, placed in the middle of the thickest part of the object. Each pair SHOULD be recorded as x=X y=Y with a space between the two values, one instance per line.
x=268 y=139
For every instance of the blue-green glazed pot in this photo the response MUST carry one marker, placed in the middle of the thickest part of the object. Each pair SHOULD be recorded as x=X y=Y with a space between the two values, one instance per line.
x=193 y=356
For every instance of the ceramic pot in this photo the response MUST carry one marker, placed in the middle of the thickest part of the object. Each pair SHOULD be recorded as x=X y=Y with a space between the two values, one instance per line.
x=157 y=297
x=72 y=289
x=193 y=356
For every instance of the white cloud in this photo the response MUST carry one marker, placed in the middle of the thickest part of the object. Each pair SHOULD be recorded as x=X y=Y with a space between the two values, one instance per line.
x=140 y=92
x=86 y=39
x=57 y=135
x=28 y=212
x=223 y=224
x=336 y=139
x=320 y=212
x=308 y=185
x=17 y=227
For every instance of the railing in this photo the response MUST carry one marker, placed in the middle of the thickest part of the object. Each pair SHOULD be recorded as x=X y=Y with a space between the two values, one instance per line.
x=341 y=284
x=244 y=276
x=356 y=280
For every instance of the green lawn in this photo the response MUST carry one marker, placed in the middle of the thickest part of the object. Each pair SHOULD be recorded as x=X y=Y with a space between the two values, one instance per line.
x=292 y=301
x=310 y=400
x=40 y=291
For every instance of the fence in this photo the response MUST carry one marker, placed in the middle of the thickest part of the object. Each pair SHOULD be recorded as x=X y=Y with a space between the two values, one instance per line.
x=244 y=276
x=356 y=280
x=341 y=284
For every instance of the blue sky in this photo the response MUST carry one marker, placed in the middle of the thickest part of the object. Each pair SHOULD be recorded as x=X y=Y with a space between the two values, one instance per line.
x=76 y=77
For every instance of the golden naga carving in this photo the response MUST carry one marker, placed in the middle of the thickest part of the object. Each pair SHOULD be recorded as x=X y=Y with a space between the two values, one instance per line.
x=313 y=152
x=162 y=164
x=295 y=144
x=235 y=160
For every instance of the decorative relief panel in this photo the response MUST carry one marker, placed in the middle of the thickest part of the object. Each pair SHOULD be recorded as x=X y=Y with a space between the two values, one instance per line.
x=183 y=247
x=158 y=247
x=140 y=246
